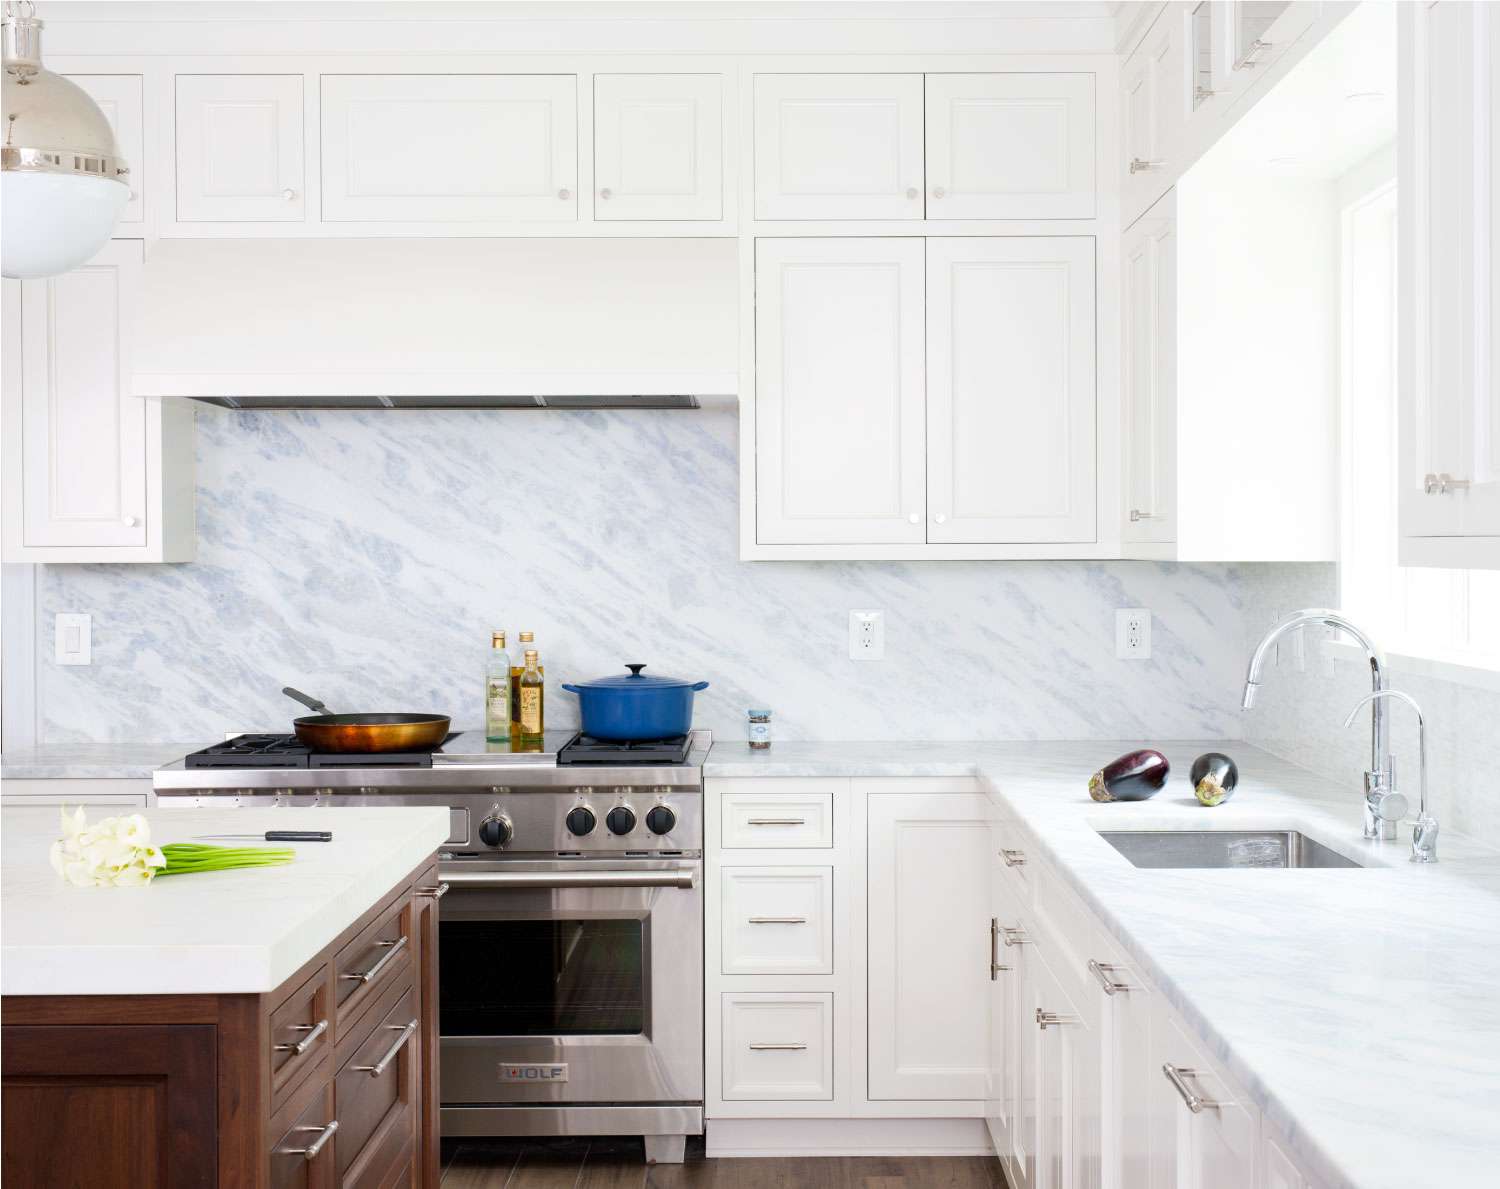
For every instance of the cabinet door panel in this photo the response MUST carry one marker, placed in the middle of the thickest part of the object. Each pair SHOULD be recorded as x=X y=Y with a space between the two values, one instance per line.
x=929 y=985
x=838 y=377
x=838 y=146
x=1066 y=1091
x=83 y=434
x=1214 y=1148
x=1010 y=146
x=1010 y=389
x=239 y=147
x=119 y=98
x=1124 y=1014
x=1153 y=111
x=493 y=147
x=658 y=146
x=1150 y=372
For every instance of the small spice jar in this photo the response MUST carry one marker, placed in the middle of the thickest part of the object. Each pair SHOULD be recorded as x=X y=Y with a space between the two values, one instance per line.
x=759 y=729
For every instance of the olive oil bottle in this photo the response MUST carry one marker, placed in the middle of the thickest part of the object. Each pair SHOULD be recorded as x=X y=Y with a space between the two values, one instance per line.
x=497 y=697
x=530 y=699
x=527 y=641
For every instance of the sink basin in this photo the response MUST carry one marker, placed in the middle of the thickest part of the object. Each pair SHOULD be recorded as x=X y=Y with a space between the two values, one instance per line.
x=1223 y=848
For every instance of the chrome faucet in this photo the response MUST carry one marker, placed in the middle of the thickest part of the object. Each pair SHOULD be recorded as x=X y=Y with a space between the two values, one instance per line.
x=1384 y=807
x=1425 y=832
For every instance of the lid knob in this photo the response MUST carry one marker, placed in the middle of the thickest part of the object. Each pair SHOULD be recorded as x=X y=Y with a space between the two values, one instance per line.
x=635 y=670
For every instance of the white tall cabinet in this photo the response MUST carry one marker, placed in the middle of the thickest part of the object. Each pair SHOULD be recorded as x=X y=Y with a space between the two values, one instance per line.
x=1449 y=489
x=1149 y=384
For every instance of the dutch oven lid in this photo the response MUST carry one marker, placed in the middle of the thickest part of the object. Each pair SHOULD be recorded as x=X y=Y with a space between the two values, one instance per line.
x=637 y=680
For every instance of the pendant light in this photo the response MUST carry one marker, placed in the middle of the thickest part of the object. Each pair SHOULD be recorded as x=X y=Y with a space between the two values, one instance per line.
x=62 y=185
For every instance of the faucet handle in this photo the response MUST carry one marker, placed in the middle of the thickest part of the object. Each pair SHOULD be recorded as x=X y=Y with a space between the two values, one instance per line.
x=1389 y=805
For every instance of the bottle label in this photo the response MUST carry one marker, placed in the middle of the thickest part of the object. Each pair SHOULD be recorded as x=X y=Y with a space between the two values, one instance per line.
x=498 y=699
x=531 y=710
x=760 y=732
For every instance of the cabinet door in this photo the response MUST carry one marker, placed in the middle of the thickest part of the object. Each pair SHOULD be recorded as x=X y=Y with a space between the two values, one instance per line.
x=1122 y=1005
x=1152 y=113
x=658 y=146
x=1010 y=389
x=838 y=146
x=426 y=148
x=839 y=391
x=1150 y=372
x=1066 y=1076
x=119 y=98
x=1010 y=146
x=239 y=148
x=1009 y=1111
x=929 y=977
x=82 y=434
x=1211 y=1147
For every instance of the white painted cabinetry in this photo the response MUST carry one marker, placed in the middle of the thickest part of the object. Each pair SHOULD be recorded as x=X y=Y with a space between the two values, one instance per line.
x=1149 y=380
x=1202 y=1135
x=1449 y=488
x=92 y=473
x=658 y=146
x=239 y=154
x=1152 y=111
x=119 y=98
x=451 y=148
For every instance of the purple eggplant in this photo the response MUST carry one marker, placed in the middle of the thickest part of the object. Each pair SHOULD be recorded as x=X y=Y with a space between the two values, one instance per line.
x=1135 y=776
x=1214 y=776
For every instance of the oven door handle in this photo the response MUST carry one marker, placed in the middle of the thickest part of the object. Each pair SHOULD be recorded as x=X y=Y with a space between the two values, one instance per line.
x=686 y=879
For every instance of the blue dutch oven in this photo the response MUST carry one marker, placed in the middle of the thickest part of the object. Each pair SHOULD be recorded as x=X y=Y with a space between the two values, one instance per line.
x=631 y=707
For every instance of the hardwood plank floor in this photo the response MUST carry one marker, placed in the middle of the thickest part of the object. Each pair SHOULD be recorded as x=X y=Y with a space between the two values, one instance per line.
x=620 y=1164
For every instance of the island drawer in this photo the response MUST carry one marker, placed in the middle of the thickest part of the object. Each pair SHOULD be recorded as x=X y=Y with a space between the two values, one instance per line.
x=379 y=957
x=301 y=1032
x=374 y=1091
x=303 y=1157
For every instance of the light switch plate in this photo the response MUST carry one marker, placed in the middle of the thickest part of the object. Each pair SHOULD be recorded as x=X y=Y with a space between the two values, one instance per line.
x=74 y=638
x=867 y=635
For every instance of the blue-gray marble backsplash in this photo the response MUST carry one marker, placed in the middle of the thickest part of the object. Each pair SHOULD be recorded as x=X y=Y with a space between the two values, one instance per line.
x=365 y=557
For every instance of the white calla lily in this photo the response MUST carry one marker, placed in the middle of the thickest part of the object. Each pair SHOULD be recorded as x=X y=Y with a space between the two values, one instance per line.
x=114 y=852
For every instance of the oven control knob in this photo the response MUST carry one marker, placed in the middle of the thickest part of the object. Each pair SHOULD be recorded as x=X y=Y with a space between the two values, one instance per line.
x=581 y=821
x=496 y=831
x=620 y=820
x=661 y=820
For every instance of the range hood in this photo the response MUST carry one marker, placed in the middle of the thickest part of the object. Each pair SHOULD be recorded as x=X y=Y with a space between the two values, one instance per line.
x=439 y=323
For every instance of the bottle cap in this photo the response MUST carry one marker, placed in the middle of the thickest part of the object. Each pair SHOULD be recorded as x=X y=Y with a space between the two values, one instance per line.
x=758 y=713
x=527 y=637
x=531 y=656
x=497 y=639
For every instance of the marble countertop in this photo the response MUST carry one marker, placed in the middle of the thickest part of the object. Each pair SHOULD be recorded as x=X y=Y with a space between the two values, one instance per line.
x=92 y=761
x=1357 y=1008
x=220 y=932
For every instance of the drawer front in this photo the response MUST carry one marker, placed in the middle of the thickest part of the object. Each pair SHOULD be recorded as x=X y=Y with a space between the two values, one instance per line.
x=1065 y=928
x=777 y=920
x=766 y=821
x=301 y=1033
x=378 y=958
x=291 y=1167
x=778 y=1046
x=374 y=1091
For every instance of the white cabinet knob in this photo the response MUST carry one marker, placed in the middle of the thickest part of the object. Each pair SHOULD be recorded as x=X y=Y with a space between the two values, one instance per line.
x=128 y=521
x=913 y=192
x=565 y=193
x=941 y=518
x=289 y=194
x=606 y=193
x=914 y=518
x=938 y=192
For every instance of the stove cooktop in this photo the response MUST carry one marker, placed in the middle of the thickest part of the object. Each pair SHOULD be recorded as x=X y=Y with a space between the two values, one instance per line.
x=460 y=747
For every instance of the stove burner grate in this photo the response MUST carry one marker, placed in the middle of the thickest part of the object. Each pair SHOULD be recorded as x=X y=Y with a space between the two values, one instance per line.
x=584 y=749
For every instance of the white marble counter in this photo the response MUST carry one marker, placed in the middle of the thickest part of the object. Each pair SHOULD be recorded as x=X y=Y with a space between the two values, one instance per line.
x=1356 y=1007
x=218 y=932
x=92 y=761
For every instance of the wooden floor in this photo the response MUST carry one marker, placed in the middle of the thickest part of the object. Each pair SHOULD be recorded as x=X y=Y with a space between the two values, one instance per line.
x=620 y=1164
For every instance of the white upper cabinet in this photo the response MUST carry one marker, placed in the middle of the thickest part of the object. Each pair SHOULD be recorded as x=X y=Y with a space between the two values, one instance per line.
x=1010 y=389
x=457 y=148
x=92 y=473
x=1010 y=146
x=1149 y=368
x=119 y=98
x=838 y=146
x=658 y=146
x=1152 y=112
x=1449 y=487
x=838 y=367
x=239 y=148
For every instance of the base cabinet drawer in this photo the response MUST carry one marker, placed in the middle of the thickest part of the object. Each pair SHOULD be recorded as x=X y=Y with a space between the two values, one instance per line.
x=303 y=1157
x=374 y=1093
x=777 y=920
x=778 y=1046
x=301 y=1034
x=766 y=821
x=374 y=961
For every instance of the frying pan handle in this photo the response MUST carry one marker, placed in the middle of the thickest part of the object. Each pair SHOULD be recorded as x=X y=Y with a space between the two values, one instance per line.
x=311 y=703
x=700 y=685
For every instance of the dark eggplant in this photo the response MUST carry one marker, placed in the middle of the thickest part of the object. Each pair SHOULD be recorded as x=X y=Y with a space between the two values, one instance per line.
x=1135 y=776
x=1214 y=776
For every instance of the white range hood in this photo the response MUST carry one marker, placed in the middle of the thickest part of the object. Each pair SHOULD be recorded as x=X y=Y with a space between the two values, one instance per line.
x=439 y=323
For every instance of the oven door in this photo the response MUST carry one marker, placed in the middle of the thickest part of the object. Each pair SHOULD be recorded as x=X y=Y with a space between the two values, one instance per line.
x=571 y=982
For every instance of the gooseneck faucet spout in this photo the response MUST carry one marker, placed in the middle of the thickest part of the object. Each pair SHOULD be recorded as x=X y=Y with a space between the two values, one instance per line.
x=1380 y=777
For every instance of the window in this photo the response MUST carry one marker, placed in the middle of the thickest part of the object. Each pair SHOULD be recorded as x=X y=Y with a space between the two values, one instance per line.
x=1444 y=615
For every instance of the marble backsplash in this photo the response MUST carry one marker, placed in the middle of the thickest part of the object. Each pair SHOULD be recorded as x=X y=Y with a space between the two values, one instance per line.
x=364 y=557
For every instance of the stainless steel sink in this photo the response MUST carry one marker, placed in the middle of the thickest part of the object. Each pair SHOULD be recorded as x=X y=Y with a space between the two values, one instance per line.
x=1223 y=848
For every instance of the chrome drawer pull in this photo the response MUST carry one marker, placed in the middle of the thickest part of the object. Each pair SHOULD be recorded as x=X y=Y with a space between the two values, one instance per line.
x=1103 y=972
x=776 y=821
x=1052 y=1019
x=1139 y=165
x=778 y=920
x=313 y=1032
x=1016 y=936
x=1177 y=1075
x=1251 y=55
x=436 y=893
x=995 y=966
x=776 y=1048
x=380 y=1066
x=1137 y=515
x=311 y=1151
x=392 y=948
x=1014 y=858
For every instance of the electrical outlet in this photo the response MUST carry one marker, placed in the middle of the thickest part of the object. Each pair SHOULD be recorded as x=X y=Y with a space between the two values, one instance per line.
x=73 y=639
x=867 y=635
x=1133 y=633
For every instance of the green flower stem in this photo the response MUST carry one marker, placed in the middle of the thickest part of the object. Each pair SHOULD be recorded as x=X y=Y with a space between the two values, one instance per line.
x=188 y=858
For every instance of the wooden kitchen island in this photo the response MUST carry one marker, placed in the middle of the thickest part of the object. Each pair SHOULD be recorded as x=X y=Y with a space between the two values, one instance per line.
x=264 y=1027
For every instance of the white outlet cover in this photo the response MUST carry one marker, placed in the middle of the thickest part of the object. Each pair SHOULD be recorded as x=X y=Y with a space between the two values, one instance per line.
x=867 y=635
x=1133 y=633
x=73 y=638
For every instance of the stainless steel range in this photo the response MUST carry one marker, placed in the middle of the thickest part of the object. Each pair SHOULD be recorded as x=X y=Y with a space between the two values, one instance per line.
x=571 y=937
